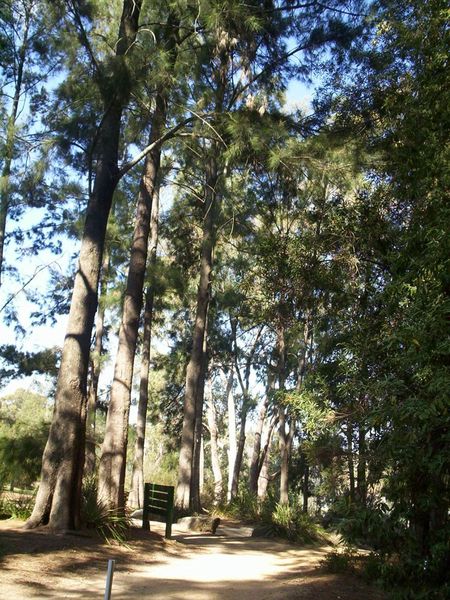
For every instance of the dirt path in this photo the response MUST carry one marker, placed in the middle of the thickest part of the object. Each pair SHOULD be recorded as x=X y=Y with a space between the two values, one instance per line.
x=227 y=566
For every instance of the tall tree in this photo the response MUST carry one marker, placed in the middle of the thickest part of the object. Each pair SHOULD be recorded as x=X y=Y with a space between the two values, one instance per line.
x=113 y=458
x=137 y=476
x=59 y=495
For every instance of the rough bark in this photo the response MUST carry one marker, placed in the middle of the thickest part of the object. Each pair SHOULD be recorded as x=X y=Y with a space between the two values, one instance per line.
x=264 y=477
x=244 y=382
x=240 y=451
x=9 y=148
x=59 y=495
x=195 y=366
x=95 y=367
x=114 y=447
x=198 y=451
x=137 y=478
x=232 y=443
x=214 y=447
x=187 y=489
x=255 y=459
x=254 y=462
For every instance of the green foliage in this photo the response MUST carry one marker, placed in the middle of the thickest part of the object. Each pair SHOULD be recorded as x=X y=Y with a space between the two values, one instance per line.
x=274 y=519
x=24 y=423
x=19 y=364
x=361 y=525
x=244 y=506
x=340 y=561
x=111 y=525
x=289 y=521
x=16 y=507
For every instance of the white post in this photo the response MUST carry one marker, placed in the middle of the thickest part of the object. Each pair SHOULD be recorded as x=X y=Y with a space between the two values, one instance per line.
x=109 y=579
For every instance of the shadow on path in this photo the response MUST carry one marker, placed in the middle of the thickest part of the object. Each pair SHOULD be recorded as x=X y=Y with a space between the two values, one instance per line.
x=192 y=566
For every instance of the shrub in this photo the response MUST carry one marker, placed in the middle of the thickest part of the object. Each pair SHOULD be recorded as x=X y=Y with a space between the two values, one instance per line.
x=340 y=561
x=295 y=525
x=244 y=506
x=360 y=525
x=111 y=525
x=16 y=508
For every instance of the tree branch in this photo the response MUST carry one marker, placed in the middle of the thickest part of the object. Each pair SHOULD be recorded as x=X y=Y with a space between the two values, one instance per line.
x=166 y=136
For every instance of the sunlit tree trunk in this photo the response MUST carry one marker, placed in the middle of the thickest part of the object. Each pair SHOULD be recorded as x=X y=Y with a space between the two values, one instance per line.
x=256 y=454
x=264 y=477
x=95 y=368
x=232 y=443
x=114 y=448
x=198 y=450
x=59 y=496
x=195 y=369
x=214 y=435
x=244 y=382
x=240 y=450
x=137 y=477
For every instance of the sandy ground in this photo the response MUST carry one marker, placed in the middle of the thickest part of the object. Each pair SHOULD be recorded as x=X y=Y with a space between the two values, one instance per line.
x=228 y=566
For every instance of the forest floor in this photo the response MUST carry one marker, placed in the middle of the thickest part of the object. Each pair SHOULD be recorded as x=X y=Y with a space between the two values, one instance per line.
x=191 y=566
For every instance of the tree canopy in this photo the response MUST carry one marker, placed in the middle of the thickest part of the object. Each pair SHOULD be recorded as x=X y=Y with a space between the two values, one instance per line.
x=249 y=199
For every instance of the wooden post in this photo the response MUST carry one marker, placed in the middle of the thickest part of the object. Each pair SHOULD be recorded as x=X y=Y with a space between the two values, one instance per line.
x=109 y=579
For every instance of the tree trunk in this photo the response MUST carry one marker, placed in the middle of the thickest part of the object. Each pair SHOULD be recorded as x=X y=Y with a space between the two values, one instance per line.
x=114 y=448
x=351 y=467
x=244 y=383
x=201 y=467
x=10 y=136
x=95 y=367
x=137 y=478
x=255 y=460
x=196 y=504
x=264 y=478
x=282 y=419
x=232 y=443
x=361 y=487
x=240 y=452
x=214 y=434
x=306 y=488
x=284 y=457
x=195 y=366
x=59 y=495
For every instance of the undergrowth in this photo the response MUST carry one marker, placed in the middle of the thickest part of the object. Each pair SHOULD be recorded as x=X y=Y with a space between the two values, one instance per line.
x=110 y=524
x=16 y=508
x=275 y=519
